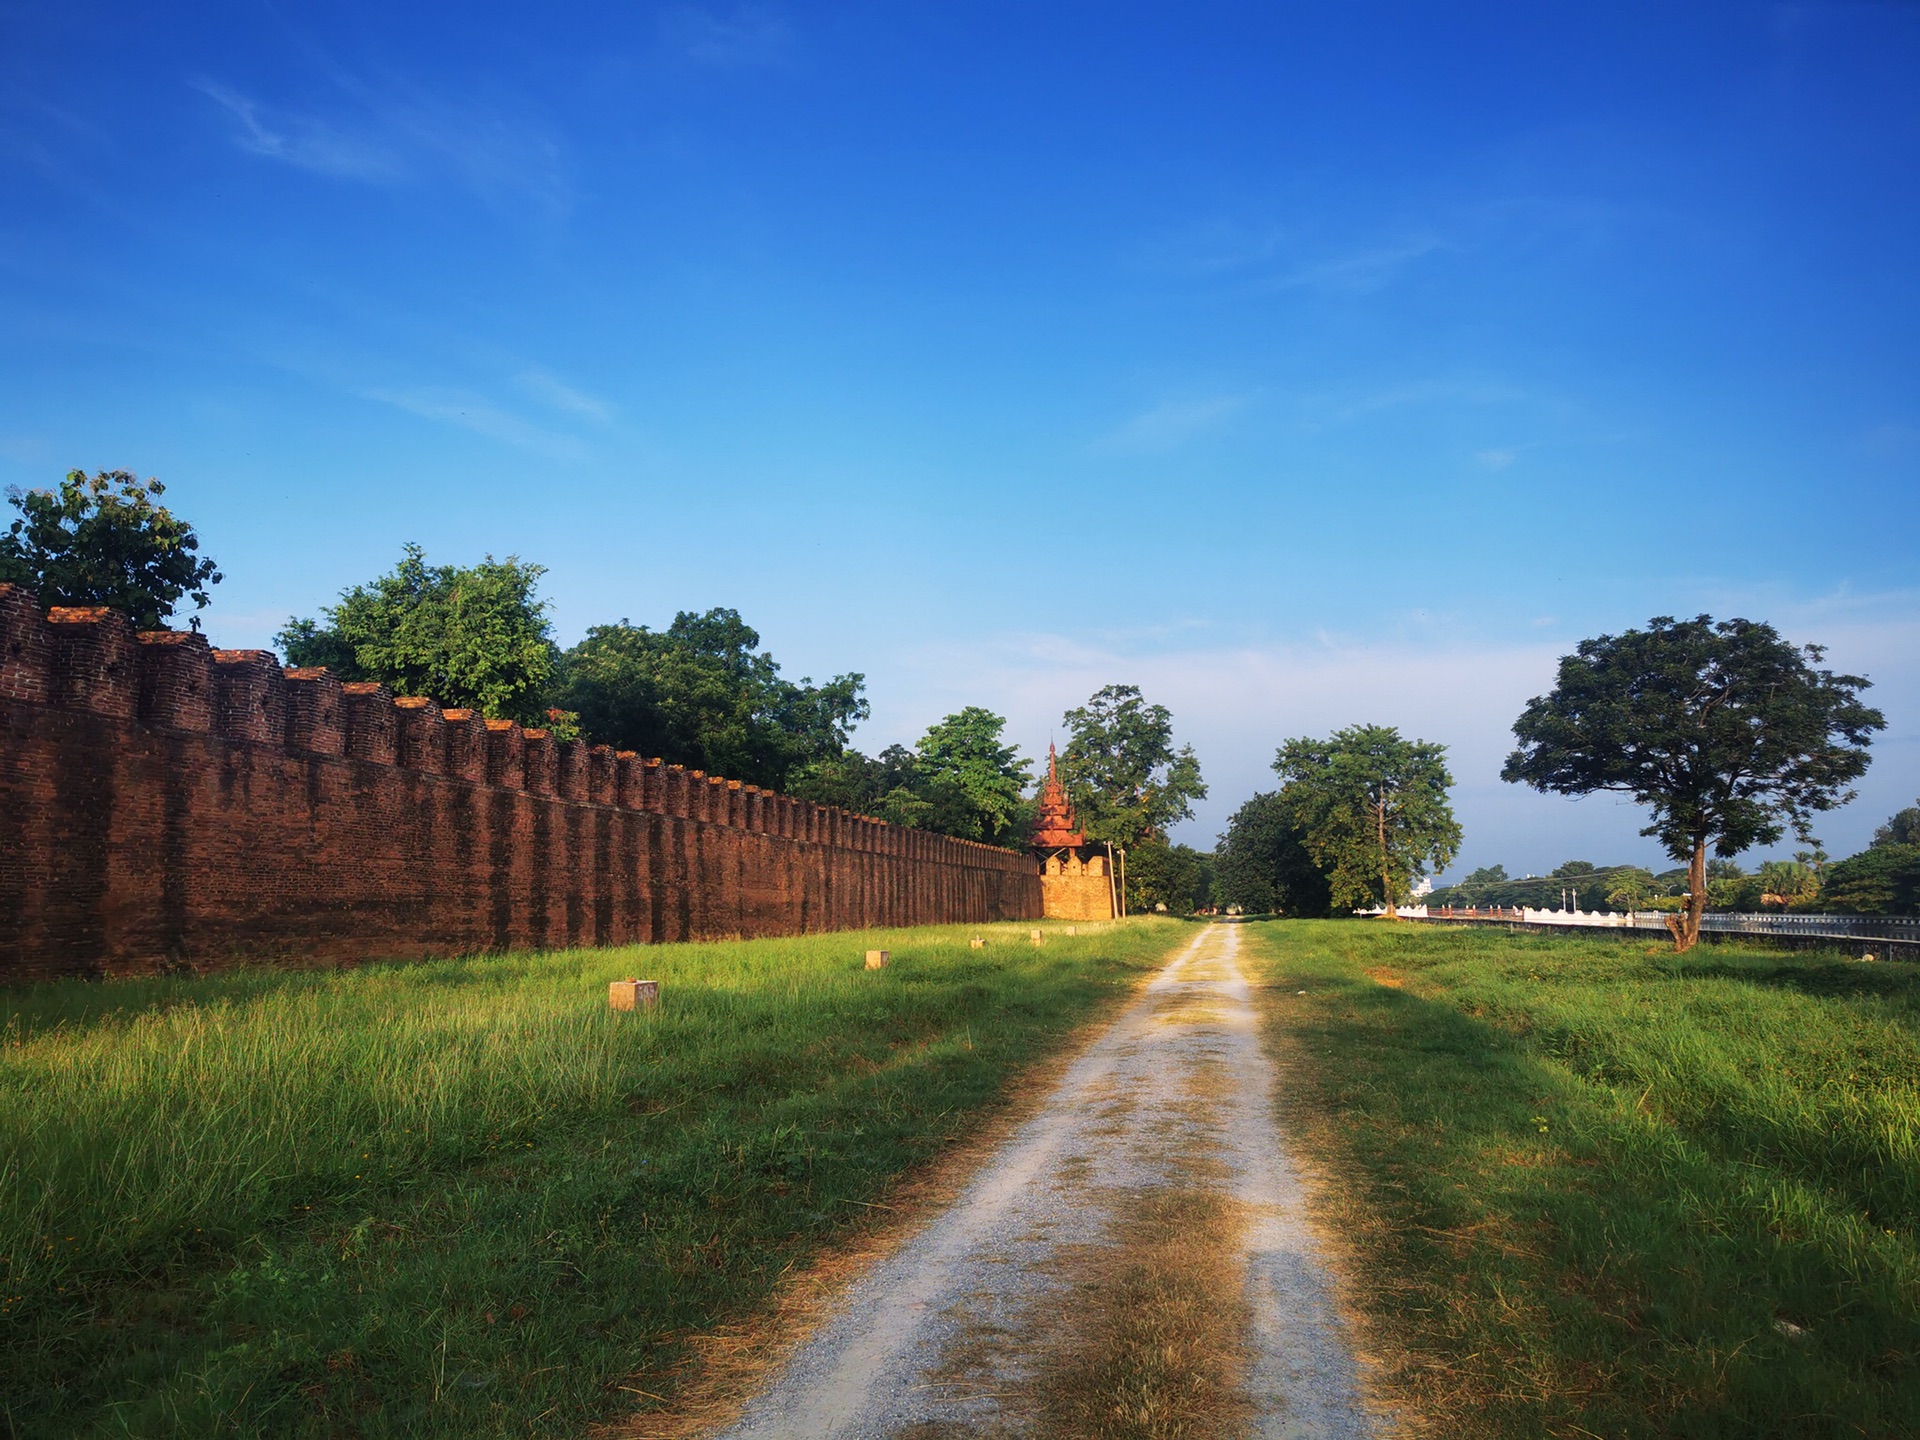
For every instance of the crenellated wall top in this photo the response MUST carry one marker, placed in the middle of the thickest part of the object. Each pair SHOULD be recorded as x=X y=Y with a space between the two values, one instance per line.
x=90 y=659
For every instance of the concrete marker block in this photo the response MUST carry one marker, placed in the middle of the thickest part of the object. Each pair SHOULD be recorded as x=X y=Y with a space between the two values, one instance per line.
x=1034 y=935
x=877 y=959
x=633 y=994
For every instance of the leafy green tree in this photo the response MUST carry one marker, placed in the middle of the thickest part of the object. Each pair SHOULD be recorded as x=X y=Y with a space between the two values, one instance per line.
x=964 y=752
x=1902 y=828
x=1487 y=875
x=958 y=780
x=1127 y=781
x=101 y=540
x=1880 y=880
x=1574 y=870
x=1176 y=876
x=1629 y=887
x=467 y=636
x=702 y=694
x=1724 y=730
x=1372 y=809
x=1262 y=865
x=1787 y=882
x=858 y=782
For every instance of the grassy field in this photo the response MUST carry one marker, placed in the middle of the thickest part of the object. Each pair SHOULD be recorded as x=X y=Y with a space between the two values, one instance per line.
x=1588 y=1190
x=463 y=1198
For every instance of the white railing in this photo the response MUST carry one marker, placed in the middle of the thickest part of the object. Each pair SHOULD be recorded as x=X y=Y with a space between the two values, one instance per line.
x=1848 y=927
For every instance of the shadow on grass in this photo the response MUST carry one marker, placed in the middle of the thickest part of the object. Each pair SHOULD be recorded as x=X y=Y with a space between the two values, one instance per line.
x=1542 y=1253
x=383 y=1211
x=1818 y=977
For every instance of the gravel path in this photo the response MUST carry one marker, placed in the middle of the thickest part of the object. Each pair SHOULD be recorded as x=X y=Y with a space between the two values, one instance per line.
x=947 y=1334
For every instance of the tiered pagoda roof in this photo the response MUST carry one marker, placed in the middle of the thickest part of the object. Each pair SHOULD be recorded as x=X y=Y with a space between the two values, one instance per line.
x=1054 y=827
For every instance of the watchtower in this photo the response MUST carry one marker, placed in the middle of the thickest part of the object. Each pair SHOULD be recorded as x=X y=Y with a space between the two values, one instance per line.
x=1076 y=881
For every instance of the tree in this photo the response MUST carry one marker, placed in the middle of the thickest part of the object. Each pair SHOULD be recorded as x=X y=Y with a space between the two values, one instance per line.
x=1724 y=730
x=1880 y=880
x=958 y=780
x=1787 y=882
x=964 y=751
x=1902 y=827
x=1630 y=887
x=475 y=637
x=101 y=540
x=1262 y=865
x=858 y=782
x=1372 y=810
x=1127 y=781
x=1176 y=876
x=1487 y=875
x=702 y=694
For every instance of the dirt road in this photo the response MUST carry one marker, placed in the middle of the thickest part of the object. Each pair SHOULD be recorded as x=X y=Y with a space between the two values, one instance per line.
x=1136 y=1250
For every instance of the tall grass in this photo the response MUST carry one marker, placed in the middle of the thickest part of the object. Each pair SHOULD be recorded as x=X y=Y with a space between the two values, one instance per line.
x=1596 y=1190
x=465 y=1197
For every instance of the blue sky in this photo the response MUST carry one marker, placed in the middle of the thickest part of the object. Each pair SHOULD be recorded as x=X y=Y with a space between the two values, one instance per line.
x=1302 y=364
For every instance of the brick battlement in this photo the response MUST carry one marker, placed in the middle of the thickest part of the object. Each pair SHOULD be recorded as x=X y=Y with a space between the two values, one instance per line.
x=180 y=804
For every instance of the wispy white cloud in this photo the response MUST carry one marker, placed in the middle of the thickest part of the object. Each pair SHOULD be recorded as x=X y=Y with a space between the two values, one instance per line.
x=303 y=141
x=1171 y=424
x=1437 y=391
x=1496 y=459
x=556 y=394
x=1365 y=269
x=1235 y=703
x=475 y=413
x=1215 y=246
x=738 y=38
x=396 y=134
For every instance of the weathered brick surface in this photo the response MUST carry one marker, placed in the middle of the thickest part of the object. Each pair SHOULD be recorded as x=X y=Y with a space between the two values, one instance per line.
x=1073 y=888
x=164 y=805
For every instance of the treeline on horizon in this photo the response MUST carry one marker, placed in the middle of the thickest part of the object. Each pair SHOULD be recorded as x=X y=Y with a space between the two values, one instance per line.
x=1726 y=732
x=701 y=692
x=1883 y=879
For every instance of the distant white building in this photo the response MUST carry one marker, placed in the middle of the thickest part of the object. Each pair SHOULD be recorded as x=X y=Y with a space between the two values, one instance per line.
x=1422 y=886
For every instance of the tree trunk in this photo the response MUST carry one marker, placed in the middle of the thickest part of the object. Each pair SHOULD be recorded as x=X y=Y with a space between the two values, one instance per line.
x=1685 y=927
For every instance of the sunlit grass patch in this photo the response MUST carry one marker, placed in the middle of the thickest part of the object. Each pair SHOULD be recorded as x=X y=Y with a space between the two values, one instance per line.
x=465 y=1197
x=1589 y=1188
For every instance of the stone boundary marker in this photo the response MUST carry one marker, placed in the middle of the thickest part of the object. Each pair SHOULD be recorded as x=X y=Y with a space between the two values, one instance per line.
x=633 y=994
x=877 y=959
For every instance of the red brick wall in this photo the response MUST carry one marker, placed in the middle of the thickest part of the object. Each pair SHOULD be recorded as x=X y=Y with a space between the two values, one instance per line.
x=165 y=804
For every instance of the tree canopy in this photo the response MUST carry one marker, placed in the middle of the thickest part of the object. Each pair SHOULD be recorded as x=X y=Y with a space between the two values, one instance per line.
x=1178 y=877
x=1902 y=827
x=468 y=636
x=1372 y=810
x=1121 y=769
x=701 y=693
x=1880 y=880
x=1726 y=731
x=958 y=779
x=964 y=752
x=102 y=540
x=1262 y=865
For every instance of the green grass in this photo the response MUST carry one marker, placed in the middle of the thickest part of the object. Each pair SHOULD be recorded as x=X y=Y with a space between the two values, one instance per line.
x=1592 y=1190
x=463 y=1198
